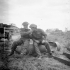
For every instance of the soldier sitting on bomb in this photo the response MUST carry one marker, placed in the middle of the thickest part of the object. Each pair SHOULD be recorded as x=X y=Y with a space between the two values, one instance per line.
x=24 y=36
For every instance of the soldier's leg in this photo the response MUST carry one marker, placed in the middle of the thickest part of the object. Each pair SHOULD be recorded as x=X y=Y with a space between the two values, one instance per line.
x=14 y=46
x=47 y=47
x=37 y=49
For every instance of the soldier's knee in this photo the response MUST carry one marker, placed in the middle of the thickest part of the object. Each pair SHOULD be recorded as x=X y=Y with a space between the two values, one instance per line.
x=46 y=44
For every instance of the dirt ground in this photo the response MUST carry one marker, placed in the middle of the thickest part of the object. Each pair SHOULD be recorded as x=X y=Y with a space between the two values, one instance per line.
x=33 y=63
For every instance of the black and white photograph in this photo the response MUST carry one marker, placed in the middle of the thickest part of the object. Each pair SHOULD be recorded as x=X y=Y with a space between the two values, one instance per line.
x=34 y=34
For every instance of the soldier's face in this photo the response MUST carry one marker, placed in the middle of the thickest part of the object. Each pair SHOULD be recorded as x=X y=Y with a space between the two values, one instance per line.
x=26 y=26
x=33 y=28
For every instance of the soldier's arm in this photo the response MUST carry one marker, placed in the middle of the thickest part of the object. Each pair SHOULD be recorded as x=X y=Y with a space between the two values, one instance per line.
x=22 y=31
x=28 y=32
x=25 y=33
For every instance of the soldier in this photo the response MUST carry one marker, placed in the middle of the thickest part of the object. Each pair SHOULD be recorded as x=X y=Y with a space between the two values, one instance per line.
x=24 y=36
x=40 y=37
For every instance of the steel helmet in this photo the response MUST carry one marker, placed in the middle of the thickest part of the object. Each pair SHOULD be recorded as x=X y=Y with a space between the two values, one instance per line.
x=25 y=23
x=33 y=26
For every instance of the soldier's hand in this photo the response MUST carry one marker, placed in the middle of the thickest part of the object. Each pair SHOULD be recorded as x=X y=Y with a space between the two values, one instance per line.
x=43 y=41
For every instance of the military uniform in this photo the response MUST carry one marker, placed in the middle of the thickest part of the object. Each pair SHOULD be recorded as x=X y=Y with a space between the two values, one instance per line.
x=39 y=35
x=24 y=36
